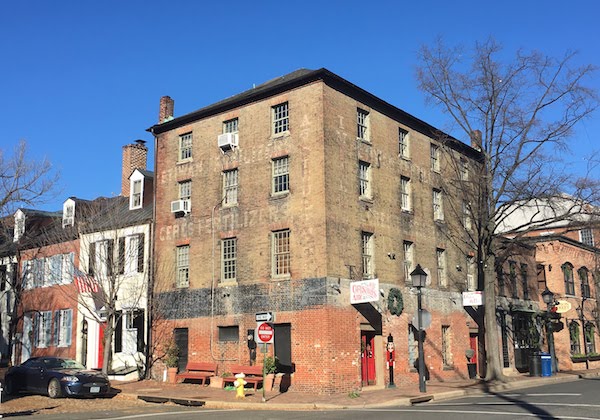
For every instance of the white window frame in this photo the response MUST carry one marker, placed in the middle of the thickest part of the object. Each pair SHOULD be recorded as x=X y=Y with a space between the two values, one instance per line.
x=438 y=204
x=132 y=243
x=280 y=115
x=230 y=126
x=466 y=216
x=441 y=267
x=434 y=152
x=185 y=189
x=447 y=359
x=364 y=179
x=63 y=321
x=280 y=253
x=43 y=328
x=586 y=236
x=403 y=143
x=368 y=259
x=408 y=259
x=471 y=273
x=230 y=187
x=405 y=194
x=68 y=214
x=136 y=194
x=280 y=173
x=185 y=147
x=229 y=260
x=362 y=124
x=183 y=266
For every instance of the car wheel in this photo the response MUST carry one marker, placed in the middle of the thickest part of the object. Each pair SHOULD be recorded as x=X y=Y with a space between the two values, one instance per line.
x=9 y=386
x=54 y=390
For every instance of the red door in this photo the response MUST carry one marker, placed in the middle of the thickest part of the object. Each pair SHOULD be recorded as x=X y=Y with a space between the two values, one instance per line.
x=101 y=345
x=473 y=345
x=367 y=358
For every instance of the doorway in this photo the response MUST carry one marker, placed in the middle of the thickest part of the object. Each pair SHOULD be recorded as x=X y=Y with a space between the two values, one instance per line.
x=181 y=341
x=283 y=348
x=367 y=347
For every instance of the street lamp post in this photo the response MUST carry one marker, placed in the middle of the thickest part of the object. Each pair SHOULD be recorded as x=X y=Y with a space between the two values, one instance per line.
x=582 y=320
x=419 y=278
x=548 y=298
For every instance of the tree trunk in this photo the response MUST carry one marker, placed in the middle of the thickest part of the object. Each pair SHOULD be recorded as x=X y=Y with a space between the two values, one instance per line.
x=493 y=370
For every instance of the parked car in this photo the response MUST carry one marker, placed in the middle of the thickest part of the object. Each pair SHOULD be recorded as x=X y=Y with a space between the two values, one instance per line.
x=56 y=377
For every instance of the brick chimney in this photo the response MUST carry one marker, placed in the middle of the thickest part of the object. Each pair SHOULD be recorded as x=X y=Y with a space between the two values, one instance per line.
x=476 y=140
x=166 y=109
x=135 y=156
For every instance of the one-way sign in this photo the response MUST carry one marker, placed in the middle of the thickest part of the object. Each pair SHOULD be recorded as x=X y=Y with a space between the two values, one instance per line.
x=265 y=317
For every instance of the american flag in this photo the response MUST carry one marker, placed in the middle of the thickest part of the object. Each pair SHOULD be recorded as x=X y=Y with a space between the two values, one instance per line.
x=85 y=283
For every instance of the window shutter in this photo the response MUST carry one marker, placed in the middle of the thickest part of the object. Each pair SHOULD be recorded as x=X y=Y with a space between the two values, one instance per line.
x=36 y=328
x=122 y=255
x=110 y=246
x=138 y=324
x=92 y=260
x=48 y=327
x=140 y=262
x=119 y=333
x=70 y=267
x=56 y=329
x=68 y=314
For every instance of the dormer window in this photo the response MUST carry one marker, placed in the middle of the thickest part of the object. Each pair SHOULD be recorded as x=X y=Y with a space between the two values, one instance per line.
x=136 y=191
x=68 y=213
x=19 y=225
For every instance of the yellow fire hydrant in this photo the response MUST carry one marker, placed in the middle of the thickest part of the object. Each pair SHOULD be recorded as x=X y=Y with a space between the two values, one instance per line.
x=239 y=386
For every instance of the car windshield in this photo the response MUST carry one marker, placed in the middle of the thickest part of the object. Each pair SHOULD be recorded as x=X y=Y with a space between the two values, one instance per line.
x=63 y=364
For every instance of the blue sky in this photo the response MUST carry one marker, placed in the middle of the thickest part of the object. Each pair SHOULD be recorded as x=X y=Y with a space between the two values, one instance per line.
x=80 y=79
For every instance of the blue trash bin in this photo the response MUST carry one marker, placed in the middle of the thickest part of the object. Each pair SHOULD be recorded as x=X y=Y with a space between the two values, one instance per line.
x=546 y=364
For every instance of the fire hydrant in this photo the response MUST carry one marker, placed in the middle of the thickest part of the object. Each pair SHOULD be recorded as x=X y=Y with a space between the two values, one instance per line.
x=239 y=385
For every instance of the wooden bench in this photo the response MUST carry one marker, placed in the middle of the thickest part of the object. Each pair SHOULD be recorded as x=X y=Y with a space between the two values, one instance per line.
x=198 y=371
x=254 y=374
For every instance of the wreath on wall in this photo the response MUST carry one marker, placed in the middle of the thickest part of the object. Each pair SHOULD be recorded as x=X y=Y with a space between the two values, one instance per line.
x=395 y=301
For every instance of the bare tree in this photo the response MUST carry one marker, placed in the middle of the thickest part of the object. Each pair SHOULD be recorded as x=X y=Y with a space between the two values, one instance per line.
x=24 y=182
x=519 y=113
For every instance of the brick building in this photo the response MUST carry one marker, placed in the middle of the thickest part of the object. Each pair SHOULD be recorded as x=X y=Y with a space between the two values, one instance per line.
x=282 y=199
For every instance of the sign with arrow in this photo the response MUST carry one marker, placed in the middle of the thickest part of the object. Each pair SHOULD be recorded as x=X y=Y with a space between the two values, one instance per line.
x=265 y=317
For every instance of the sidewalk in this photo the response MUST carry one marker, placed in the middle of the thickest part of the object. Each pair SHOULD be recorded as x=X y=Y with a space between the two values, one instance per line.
x=199 y=395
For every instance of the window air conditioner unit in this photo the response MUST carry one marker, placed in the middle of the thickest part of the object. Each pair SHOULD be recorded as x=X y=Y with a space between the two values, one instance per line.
x=227 y=140
x=179 y=206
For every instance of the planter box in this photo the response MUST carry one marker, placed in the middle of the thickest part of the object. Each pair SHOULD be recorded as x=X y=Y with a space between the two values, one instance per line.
x=215 y=382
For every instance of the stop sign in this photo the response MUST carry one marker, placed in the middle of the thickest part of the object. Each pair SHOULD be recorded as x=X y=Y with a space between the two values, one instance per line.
x=264 y=332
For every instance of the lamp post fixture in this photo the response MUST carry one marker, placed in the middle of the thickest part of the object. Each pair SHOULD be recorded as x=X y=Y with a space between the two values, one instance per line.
x=548 y=298
x=419 y=278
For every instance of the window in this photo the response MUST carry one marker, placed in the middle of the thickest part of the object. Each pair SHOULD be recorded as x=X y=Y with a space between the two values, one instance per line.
x=43 y=329
x=183 y=266
x=464 y=170
x=63 y=320
x=281 y=175
x=567 y=269
x=466 y=215
x=403 y=143
x=228 y=259
x=405 y=194
x=446 y=347
x=68 y=214
x=408 y=260
x=230 y=187
x=364 y=175
x=185 y=190
x=441 y=267
x=586 y=237
x=281 y=252
x=362 y=124
x=3 y=278
x=501 y=283
x=367 y=255
x=230 y=126
x=589 y=338
x=412 y=347
x=131 y=254
x=574 y=337
x=438 y=208
x=512 y=274
x=435 y=157
x=524 y=281
x=584 y=281
x=101 y=258
x=281 y=119
x=229 y=333
x=136 y=194
x=185 y=146
x=471 y=274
